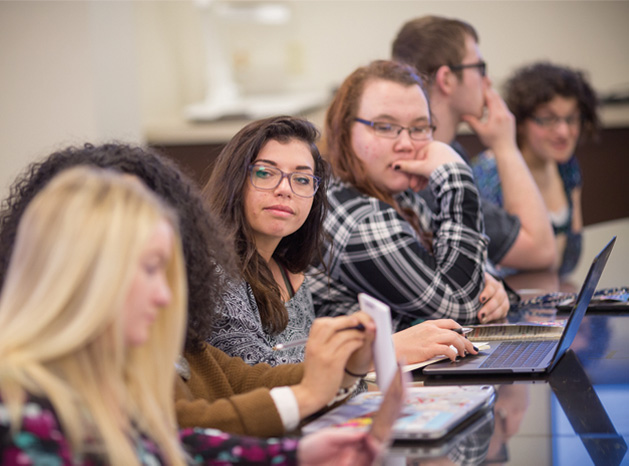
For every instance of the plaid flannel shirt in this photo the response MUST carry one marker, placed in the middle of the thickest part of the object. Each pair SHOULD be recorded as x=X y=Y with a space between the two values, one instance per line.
x=376 y=251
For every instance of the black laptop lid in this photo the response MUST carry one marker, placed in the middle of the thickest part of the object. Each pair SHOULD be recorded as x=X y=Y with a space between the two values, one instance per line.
x=583 y=300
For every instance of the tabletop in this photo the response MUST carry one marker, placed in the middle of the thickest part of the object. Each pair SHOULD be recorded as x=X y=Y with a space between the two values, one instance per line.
x=576 y=415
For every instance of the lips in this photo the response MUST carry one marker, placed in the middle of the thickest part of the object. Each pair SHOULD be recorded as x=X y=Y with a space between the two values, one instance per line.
x=280 y=208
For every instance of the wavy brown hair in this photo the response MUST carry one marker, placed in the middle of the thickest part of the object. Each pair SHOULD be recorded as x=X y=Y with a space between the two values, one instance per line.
x=224 y=192
x=208 y=253
x=338 y=139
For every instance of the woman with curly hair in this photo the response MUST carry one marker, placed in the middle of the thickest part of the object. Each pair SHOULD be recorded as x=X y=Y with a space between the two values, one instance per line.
x=214 y=389
x=555 y=108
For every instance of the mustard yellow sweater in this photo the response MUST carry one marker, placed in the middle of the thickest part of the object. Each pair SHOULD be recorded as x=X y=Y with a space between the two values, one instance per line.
x=225 y=393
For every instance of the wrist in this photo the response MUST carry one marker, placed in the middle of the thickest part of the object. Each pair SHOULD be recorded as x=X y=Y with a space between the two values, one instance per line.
x=307 y=401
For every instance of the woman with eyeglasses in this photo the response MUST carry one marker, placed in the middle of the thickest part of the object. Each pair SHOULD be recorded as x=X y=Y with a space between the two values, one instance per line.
x=269 y=187
x=385 y=240
x=555 y=107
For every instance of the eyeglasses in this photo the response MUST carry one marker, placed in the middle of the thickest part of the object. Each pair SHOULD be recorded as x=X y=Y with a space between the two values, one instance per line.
x=267 y=178
x=481 y=65
x=392 y=131
x=552 y=121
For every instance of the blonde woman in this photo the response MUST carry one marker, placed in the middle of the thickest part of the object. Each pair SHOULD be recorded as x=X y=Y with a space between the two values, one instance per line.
x=92 y=320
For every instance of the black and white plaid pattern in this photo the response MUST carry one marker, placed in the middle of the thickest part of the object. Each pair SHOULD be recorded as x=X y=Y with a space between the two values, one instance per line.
x=376 y=251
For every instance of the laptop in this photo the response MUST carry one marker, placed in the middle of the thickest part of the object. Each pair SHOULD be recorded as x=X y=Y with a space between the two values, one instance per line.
x=527 y=356
x=428 y=413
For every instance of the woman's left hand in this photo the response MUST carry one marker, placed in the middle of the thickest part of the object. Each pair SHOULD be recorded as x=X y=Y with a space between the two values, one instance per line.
x=495 y=301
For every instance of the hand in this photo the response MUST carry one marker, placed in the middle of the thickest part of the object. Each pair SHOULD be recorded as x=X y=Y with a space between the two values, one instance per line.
x=429 y=339
x=430 y=157
x=495 y=301
x=360 y=362
x=338 y=447
x=497 y=129
x=327 y=353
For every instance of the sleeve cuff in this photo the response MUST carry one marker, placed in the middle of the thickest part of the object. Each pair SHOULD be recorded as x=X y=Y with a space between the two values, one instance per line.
x=287 y=406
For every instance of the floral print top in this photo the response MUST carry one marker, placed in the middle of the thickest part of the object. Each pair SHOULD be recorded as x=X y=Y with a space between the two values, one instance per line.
x=41 y=441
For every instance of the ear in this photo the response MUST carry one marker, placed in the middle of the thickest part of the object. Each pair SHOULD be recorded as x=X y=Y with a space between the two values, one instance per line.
x=445 y=80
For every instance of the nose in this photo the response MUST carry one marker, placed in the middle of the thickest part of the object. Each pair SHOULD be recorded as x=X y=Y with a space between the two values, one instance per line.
x=404 y=141
x=284 y=186
x=163 y=293
x=488 y=82
x=562 y=127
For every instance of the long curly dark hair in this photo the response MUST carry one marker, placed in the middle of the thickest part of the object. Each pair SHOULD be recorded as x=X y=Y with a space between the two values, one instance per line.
x=224 y=192
x=208 y=253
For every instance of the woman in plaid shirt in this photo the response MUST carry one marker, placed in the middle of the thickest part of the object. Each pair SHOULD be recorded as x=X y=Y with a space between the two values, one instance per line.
x=386 y=241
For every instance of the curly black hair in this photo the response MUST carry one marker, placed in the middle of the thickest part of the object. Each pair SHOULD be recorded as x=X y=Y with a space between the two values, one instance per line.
x=538 y=83
x=208 y=251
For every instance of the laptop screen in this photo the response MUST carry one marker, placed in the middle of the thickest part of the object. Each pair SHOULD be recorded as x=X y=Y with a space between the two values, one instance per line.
x=583 y=299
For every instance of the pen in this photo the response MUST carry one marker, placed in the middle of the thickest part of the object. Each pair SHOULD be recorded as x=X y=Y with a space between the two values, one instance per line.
x=303 y=341
x=462 y=330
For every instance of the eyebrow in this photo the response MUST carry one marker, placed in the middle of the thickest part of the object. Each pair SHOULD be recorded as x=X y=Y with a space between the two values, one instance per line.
x=271 y=162
x=392 y=119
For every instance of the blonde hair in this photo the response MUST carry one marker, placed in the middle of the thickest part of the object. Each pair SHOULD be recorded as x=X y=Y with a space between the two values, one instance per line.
x=77 y=249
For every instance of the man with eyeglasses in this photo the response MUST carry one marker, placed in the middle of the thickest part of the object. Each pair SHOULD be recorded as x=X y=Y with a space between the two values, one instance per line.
x=445 y=51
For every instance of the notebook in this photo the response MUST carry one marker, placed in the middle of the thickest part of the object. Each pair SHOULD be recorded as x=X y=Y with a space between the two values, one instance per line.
x=429 y=413
x=529 y=356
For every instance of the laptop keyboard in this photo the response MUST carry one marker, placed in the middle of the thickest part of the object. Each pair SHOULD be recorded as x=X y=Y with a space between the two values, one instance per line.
x=518 y=354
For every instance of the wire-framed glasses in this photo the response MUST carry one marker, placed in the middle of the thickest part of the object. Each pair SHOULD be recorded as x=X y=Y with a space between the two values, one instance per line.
x=392 y=130
x=268 y=178
x=481 y=65
x=552 y=121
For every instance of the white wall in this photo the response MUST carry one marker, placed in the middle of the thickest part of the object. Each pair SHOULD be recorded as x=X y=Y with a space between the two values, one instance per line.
x=72 y=71
x=326 y=40
x=68 y=74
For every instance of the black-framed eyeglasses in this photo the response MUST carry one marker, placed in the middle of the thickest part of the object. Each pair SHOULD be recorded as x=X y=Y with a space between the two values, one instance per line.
x=481 y=65
x=267 y=178
x=552 y=121
x=392 y=130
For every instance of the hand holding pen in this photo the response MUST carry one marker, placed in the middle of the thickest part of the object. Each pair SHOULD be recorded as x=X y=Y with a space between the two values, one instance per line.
x=303 y=341
x=332 y=349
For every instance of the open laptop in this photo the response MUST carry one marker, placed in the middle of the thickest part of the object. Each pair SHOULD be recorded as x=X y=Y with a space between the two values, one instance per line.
x=527 y=356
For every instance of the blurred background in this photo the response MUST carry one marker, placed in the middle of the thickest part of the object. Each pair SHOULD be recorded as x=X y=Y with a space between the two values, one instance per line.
x=76 y=71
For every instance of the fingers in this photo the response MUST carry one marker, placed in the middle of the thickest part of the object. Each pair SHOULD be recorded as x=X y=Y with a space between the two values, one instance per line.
x=491 y=285
x=496 y=301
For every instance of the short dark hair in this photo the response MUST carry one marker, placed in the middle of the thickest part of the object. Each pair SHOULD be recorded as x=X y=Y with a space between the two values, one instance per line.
x=429 y=42
x=538 y=83
x=224 y=192
x=208 y=253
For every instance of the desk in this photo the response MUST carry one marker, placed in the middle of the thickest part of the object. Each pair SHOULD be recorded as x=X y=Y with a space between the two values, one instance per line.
x=578 y=414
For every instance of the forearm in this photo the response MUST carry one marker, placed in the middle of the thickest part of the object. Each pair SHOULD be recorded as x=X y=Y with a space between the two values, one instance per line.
x=534 y=247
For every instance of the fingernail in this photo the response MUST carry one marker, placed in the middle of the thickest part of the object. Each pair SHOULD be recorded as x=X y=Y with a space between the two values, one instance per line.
x=483 y=299
x=396 y=167
x=482 y=316
x=475 y=348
